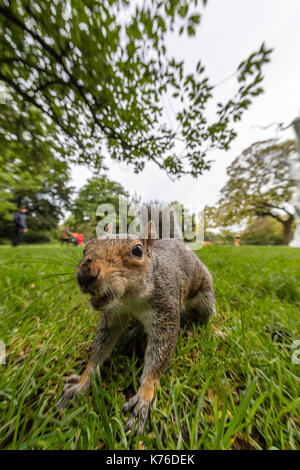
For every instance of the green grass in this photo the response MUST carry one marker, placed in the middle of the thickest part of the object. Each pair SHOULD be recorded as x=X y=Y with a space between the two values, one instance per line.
x=238 y=393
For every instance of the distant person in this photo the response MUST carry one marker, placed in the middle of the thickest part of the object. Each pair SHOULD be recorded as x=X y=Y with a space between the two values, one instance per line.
x=66 y=235
x=19 y=225
x=78 y=239
x=237 y=240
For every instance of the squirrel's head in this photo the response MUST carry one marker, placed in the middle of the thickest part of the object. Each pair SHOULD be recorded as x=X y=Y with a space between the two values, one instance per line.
x=113 y=266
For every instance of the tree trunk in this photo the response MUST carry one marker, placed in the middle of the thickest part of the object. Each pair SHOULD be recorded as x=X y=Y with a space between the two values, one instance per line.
x=287 y=230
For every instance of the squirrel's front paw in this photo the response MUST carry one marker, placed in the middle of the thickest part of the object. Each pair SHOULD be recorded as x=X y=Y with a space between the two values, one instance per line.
x=71 y=390
x=140 y=409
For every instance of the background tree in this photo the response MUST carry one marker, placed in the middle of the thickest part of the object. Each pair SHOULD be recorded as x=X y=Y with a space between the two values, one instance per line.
x=32 y=172
x=97 y=190
x=262 y=231
x=97 y=70
x=213 y=231
x=259 y=185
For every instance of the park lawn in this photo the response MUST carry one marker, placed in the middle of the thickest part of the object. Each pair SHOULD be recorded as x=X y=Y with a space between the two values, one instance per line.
x=241 y=392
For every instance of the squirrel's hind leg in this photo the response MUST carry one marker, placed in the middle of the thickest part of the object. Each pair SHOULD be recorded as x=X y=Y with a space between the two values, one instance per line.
x=199 y=309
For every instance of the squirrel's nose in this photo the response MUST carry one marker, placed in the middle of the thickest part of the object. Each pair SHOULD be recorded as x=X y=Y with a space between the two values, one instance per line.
x=86 y=278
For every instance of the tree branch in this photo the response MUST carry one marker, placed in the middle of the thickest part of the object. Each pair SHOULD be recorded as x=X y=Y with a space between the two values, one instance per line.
x=31 y=100
x=277 y=207
x=264 y=214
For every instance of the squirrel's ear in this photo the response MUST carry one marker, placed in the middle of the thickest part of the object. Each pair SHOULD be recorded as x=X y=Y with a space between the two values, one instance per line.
x=109 y=228
x=149 y=234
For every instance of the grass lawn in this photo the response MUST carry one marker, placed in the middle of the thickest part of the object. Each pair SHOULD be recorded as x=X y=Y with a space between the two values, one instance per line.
x=237 y=393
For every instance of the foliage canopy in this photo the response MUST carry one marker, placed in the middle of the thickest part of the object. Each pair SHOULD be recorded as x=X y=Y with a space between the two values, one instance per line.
x=97 y=70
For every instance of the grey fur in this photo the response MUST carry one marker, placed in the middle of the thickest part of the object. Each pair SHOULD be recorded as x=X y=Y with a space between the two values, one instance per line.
x=173 y=283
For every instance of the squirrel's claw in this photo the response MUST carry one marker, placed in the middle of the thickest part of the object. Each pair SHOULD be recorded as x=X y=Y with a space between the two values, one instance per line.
x=138 y=416
x=70 y=391
x=130 y=404
x=73 y=379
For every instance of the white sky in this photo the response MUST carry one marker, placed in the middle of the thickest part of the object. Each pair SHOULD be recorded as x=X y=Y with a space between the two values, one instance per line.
x=229 y=31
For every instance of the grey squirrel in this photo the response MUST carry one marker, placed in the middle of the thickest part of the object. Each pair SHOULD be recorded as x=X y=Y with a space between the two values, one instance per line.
x=153 y=280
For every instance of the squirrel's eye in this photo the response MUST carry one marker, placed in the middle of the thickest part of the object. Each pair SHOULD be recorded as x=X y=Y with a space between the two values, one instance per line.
x=137 y=251
x=84 y=251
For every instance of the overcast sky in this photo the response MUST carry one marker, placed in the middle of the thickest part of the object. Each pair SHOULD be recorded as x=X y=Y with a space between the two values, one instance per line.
x=230 y=30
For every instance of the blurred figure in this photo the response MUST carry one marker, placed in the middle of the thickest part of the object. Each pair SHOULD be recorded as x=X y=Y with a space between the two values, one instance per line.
x=77 y=239
x=237 y=240
x=66 y=235
x=20 y=226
